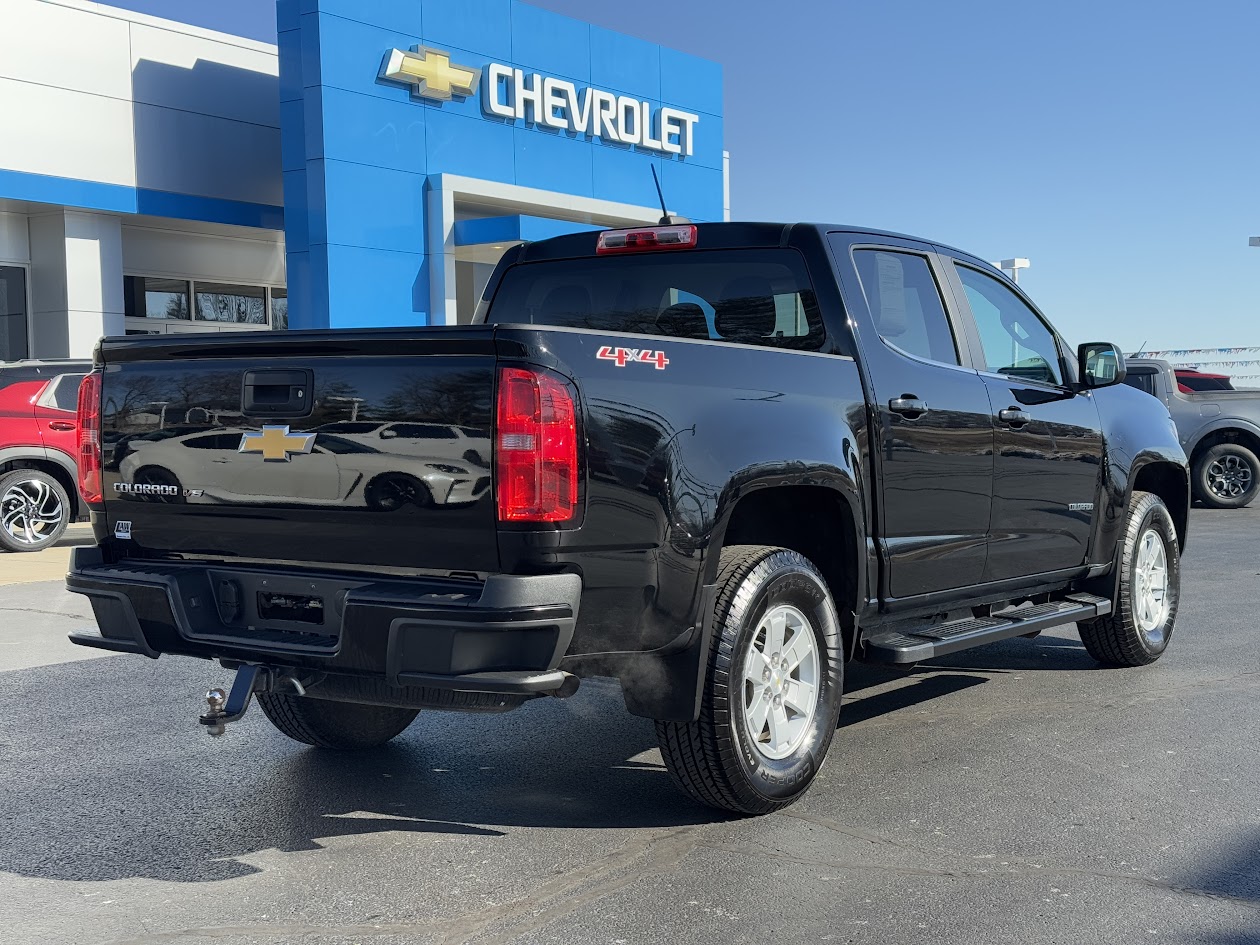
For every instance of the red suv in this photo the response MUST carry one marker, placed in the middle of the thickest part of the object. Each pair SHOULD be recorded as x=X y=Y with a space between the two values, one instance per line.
x=38 y=495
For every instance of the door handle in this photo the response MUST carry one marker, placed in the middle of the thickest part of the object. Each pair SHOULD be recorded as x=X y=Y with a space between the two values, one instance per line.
x=908 y=406
x=62 y=426
x=1014 y=416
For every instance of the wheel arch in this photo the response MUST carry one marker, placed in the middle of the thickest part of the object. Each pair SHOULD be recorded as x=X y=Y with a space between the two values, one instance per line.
x=1171 y=483
x=818 y=521
x=52 y=462
x=1227 y=431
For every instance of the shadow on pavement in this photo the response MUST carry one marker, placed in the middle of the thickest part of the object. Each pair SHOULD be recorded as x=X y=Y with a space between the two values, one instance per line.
x=1234 y=875
x=920 y=690
x=131 y=786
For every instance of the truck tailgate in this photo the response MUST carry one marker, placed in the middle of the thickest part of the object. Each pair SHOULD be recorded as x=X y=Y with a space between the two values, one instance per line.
x=363 y=449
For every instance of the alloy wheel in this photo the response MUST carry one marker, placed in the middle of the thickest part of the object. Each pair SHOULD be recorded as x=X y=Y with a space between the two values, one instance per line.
x=1150 y=586
x=1230 y=476
x=30 y=511
x=781 y=681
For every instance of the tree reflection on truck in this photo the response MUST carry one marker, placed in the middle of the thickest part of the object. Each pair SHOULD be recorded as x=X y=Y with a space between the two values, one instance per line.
x=340 y=471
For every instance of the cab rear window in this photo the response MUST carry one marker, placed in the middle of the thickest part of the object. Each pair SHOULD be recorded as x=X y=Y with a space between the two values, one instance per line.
x=742 y=296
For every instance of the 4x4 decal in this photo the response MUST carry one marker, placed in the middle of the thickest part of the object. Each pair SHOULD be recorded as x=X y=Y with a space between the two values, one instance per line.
x=624 y=356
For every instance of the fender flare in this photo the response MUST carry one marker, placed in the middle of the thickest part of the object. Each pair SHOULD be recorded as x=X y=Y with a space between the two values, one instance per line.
x=64 y=460
x=43 y=454
x=751 y=482
x=9 y=454
x=1219 y=424
x=668 y=684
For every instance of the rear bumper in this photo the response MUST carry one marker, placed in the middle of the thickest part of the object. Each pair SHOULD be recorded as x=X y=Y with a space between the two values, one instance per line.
x=506 y=634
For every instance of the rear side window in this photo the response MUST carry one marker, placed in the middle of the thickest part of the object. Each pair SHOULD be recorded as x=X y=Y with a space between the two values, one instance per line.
x=906 y=304
x=1142 y=380
x=745 y=296
x=63 y=393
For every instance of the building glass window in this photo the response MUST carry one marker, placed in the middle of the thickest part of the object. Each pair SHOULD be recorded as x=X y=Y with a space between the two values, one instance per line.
x=13 y=337
x=231 y=306
x=241 y=304
x=147 y=297
x=280 y=308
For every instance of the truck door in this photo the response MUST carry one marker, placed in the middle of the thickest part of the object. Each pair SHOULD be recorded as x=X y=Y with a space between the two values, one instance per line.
x=933 y=429
x=1048 y=437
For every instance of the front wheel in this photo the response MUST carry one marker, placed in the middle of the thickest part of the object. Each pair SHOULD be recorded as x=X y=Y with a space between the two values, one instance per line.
x=772 y=692
x=1137 y=631
x=327 y=724
x=34 y=510
x=1227 y=476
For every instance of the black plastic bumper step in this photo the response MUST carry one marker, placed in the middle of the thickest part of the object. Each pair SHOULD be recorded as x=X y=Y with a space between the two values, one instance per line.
x=916 y=645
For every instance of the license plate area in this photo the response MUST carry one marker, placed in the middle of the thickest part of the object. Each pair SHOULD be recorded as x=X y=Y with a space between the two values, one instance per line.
x=291 y=608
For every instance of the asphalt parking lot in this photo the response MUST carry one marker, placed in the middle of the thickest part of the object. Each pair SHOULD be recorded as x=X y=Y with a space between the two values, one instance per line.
x=1016 y=793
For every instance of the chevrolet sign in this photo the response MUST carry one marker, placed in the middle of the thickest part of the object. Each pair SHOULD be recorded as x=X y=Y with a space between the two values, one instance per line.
x=516 y=95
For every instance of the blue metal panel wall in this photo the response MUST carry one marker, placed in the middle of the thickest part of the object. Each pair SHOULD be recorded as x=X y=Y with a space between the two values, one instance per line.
x=358 y=150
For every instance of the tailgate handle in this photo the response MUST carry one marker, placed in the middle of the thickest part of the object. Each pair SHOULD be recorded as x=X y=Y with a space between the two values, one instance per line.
x=277 y=393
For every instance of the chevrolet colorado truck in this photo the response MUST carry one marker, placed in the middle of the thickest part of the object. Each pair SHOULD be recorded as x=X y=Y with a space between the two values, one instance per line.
x=1219 y=429
x=714 y=461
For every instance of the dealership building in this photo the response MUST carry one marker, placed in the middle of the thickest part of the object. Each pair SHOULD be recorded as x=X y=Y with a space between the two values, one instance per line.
x=368 y=169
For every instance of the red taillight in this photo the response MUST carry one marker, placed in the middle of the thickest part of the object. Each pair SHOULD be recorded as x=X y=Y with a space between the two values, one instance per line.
x=535 y=456
x=653 y=237
x=89 y=458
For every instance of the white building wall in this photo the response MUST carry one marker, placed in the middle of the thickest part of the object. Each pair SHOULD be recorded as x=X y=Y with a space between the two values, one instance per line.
x=15 y=242
x=76 y=287
x=93 y=93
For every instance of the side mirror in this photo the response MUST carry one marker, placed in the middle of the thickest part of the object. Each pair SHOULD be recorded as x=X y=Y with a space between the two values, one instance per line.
x=1100 y=364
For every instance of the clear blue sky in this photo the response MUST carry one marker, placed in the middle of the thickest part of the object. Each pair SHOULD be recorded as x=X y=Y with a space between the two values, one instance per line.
x=1115 y=144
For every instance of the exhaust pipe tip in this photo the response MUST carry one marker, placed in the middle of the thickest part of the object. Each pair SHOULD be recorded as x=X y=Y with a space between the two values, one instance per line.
x=568 y=687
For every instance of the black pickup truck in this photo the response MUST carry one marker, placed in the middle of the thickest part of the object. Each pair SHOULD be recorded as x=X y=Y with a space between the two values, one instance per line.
x=714 y=461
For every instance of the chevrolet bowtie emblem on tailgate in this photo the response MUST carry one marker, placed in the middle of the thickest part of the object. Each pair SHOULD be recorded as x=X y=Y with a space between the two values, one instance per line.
x=276 y=443
x=430 y=73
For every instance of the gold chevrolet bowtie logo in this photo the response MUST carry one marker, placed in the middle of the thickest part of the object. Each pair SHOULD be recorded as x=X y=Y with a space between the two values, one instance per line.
x=430 y=73
x=276 y=443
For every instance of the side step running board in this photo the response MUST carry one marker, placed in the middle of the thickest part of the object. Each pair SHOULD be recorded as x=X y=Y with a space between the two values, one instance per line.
x=914 y=646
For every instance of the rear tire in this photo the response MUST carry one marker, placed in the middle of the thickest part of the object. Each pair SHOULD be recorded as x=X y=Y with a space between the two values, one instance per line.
x=344 y=726
x=776 y=637
x=1138 y=629
x=1227 y=476
x=34 y=510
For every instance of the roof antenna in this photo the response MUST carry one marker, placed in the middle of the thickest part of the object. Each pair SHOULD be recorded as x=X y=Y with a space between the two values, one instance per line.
x=1138 y=354
x=666 y=219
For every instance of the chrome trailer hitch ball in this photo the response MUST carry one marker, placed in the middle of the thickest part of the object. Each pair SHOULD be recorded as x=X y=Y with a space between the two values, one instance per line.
x=228 y=707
